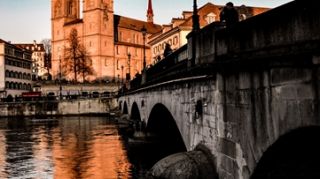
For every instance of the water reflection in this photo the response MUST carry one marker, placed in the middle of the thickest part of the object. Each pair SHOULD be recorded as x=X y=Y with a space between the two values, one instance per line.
x=65 y=148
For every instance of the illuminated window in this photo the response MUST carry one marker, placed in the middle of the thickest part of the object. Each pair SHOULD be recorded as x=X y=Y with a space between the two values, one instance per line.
x=175 y=40
x=211 y=17
x=243 y=17
x=70 y=8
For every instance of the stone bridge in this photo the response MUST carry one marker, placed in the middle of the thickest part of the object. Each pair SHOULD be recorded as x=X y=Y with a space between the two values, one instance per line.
x=251 y=100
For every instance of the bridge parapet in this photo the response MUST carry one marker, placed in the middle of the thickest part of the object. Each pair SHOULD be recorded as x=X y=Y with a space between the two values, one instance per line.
x=289 y=29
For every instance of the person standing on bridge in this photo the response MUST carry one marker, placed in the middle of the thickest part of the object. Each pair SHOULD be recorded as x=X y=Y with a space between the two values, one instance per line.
x=229 y=15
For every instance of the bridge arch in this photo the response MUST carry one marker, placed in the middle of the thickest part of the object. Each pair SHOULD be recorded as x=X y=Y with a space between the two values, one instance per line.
x=135 y=112
x=125 y=108
x=120 y=105
x=294 y=155
x=162 y=125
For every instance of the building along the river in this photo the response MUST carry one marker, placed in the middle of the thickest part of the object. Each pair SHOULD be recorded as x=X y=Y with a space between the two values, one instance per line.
x=39 y=70
x=175 y=33
x=15 y=70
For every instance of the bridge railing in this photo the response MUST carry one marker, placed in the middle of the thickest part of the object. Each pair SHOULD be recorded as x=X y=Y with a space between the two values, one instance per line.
x=274 y=32
x=287 y=30
x=291 y=28
x=169 y=67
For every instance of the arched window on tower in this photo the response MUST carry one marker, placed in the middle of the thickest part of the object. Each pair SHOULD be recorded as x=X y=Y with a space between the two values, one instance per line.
x=70 y=6
x=81 y=9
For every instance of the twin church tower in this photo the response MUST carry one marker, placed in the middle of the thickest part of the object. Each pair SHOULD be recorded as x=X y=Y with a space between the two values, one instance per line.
x=115 y=43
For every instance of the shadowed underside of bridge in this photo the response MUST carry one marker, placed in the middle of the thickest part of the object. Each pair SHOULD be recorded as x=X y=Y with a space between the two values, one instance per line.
x=294 y=155
x=163 y=126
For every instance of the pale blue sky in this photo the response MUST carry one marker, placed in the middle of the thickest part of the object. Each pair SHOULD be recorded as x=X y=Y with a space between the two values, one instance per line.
x=23 y=21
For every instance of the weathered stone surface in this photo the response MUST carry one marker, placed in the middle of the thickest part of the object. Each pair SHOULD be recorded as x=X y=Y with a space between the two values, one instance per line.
x=263 y=85
x=189 y=165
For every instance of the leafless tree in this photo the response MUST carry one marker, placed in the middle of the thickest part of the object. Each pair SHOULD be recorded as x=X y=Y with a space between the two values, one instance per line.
x=85 y=63
x=47 y=57
x=47 y=45
x=77 y=59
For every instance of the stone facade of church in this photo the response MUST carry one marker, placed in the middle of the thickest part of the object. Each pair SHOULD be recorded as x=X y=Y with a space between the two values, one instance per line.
x=115 y=43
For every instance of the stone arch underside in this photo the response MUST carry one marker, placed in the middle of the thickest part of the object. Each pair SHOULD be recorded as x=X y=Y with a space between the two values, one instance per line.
x=162 y=126
x=135 y=112
x=294 y=155
x=125 y=108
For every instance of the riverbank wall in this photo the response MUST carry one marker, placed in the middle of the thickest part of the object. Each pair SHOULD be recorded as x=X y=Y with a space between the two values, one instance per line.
x=95 y=106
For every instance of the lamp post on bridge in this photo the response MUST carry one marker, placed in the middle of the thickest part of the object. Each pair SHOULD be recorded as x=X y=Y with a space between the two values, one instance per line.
x=129 y=62
x=144 y=33
x=195 y=17
x=144 y=70
x=122 y=75
x=195 y=30
x=60 y=77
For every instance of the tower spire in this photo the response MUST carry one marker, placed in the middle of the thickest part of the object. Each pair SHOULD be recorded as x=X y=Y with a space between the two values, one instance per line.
x=150 y=12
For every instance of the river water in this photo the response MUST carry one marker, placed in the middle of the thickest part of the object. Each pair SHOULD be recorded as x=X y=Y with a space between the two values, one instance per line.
x=66 y=148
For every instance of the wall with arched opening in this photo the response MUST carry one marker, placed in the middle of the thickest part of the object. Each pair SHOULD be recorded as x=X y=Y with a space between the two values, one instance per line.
x=294 y=155
x=120 y=105
x=135 y=113
x=163 y=126
x=125 y=108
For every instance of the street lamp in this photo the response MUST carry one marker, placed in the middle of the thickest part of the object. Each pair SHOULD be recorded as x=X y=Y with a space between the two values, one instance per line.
x=195 y=17
x=129 y=58
x=144 y=33
x=118 y=82
x=121 y=74
x=60 y=76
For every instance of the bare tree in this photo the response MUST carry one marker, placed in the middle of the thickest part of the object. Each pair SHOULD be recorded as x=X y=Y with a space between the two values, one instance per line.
x=47 y=56
x=77 y=59
x=47 y=45
x=85 y=63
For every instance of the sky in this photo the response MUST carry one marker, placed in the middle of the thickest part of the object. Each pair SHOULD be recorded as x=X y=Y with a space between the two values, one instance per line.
x=23 y=21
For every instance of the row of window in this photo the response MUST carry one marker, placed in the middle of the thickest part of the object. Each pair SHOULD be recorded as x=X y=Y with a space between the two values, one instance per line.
x=18 y=86
x=26 y=65
x=17 y=53
x=135 y=38
x=18 y=75
x=126 y=51
x=159 y=48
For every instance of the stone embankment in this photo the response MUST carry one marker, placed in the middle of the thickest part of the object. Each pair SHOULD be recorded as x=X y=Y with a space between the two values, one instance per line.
x=95 y=106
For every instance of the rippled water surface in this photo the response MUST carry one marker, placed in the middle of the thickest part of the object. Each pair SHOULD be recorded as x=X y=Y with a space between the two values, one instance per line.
x=72 y=147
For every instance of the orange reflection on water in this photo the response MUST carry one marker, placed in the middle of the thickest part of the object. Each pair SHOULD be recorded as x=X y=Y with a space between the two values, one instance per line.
x=85 y=153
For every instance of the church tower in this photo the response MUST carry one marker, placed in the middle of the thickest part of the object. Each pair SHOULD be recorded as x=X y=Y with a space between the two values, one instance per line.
x=98 y=35
x=95 y=30
x=62 y=12
x=150 y=12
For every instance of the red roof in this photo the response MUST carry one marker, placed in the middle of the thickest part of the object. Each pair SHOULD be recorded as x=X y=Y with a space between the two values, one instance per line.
x=134 y=24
